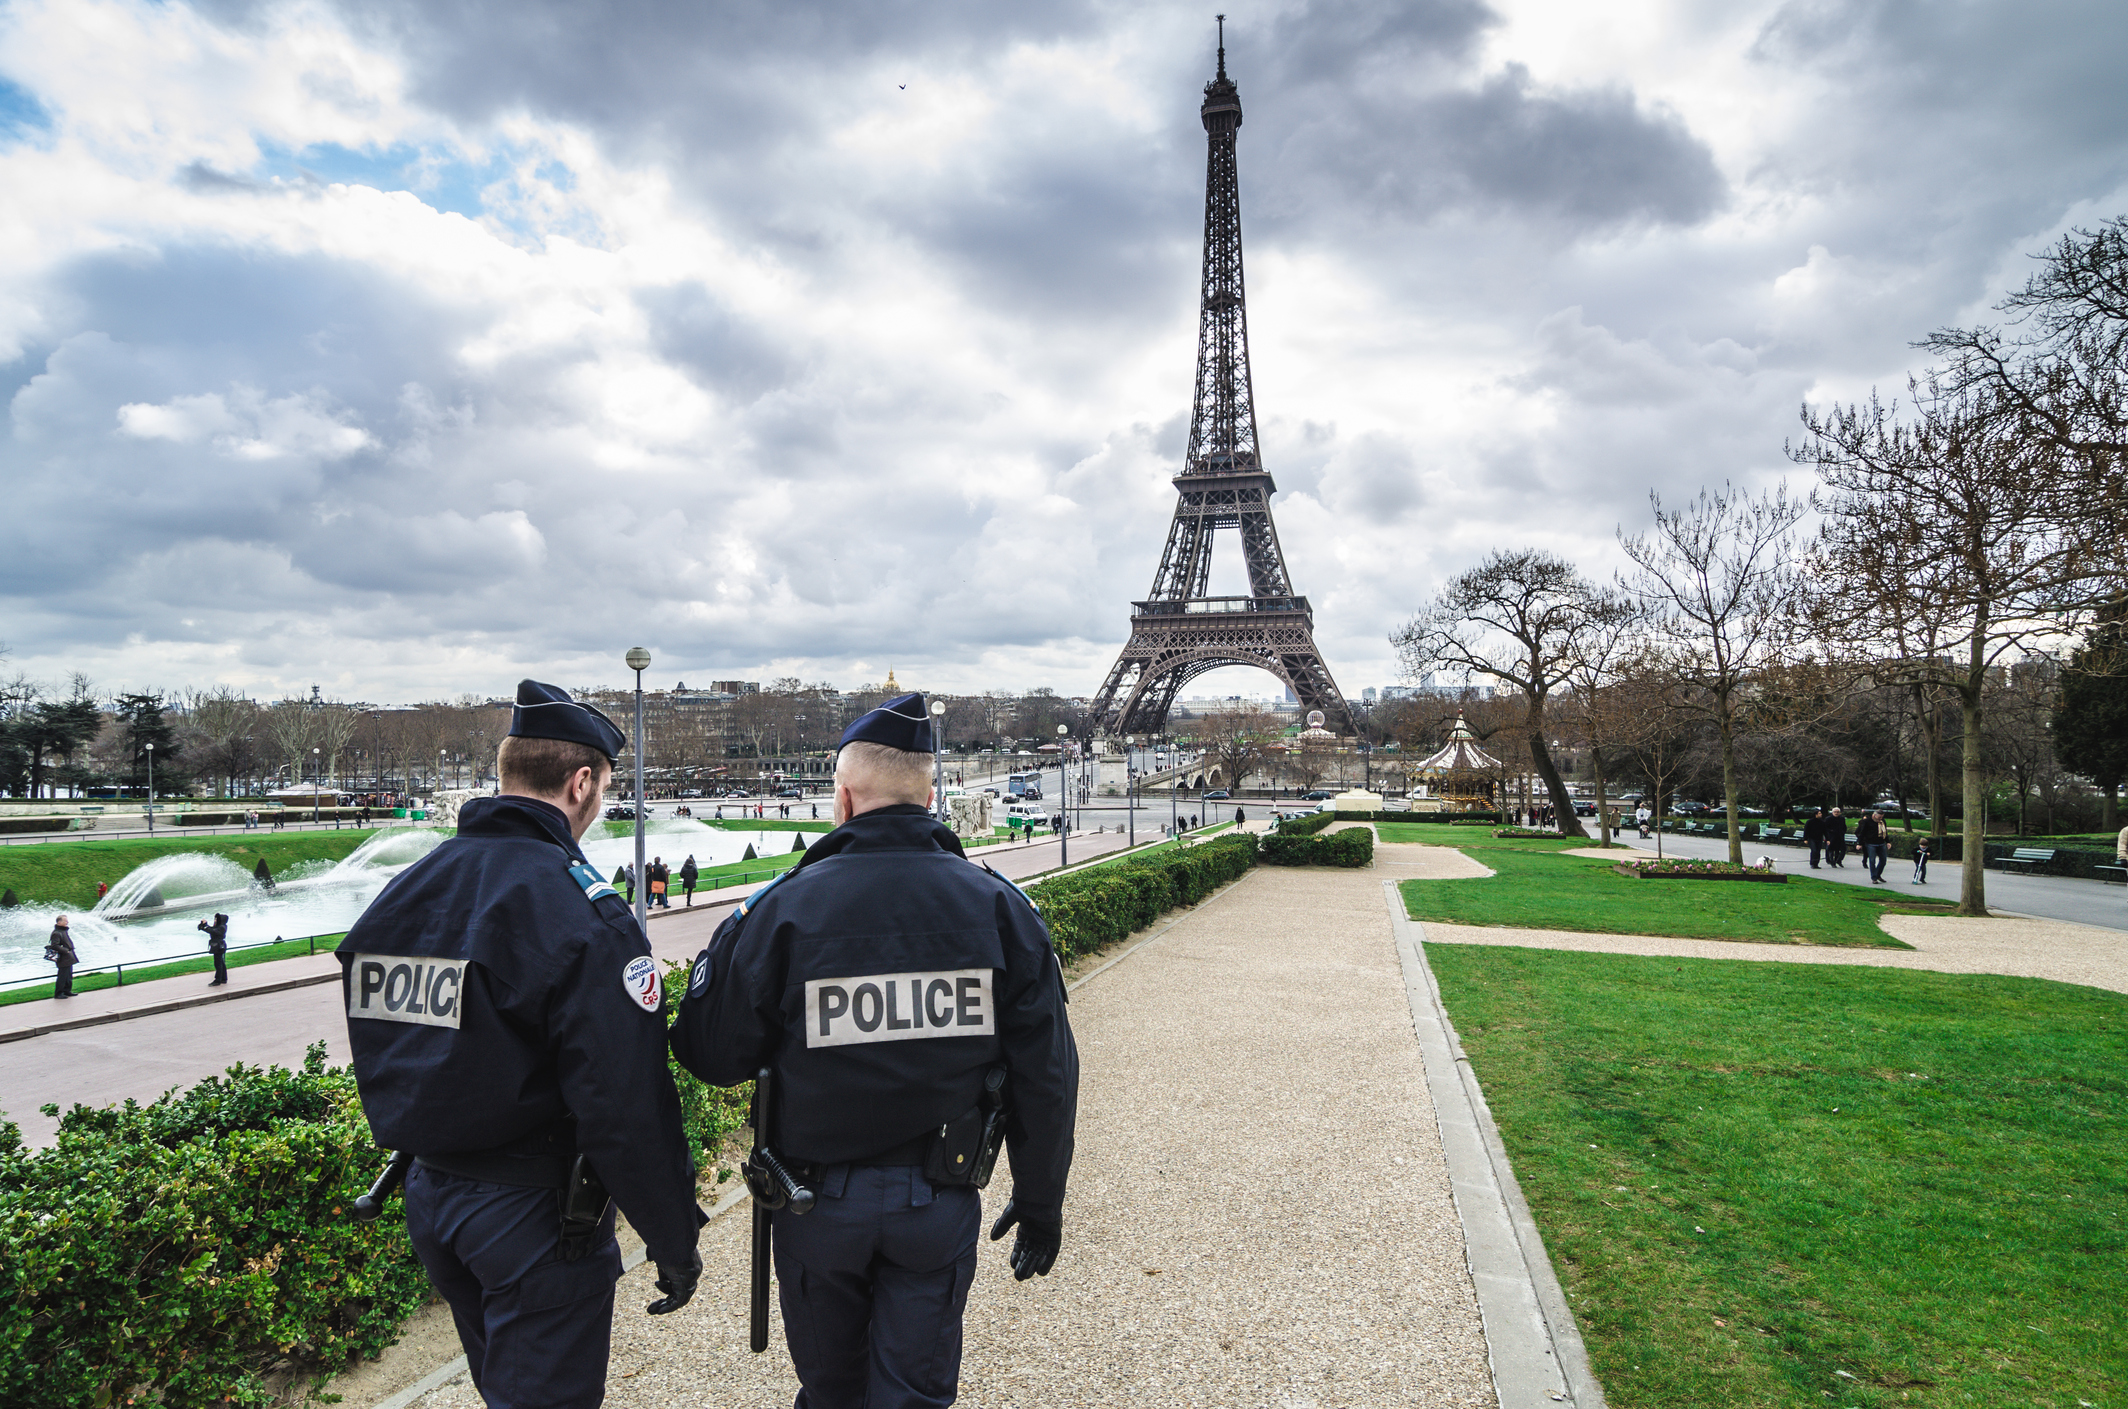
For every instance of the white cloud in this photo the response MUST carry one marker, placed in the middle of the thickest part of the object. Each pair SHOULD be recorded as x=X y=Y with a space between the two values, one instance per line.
x=415 y=349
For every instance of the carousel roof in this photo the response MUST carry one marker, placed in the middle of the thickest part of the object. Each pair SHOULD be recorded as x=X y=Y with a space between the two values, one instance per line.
x=1461 y=753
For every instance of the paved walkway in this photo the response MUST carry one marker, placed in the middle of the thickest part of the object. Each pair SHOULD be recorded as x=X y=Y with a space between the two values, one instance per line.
x=1260 y=1212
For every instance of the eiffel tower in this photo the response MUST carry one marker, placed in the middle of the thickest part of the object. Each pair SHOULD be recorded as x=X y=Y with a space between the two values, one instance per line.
x=1179 y=633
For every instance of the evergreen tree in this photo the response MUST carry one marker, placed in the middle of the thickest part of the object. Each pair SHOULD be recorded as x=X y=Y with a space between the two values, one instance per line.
x=2091 y=713
x=142 y=717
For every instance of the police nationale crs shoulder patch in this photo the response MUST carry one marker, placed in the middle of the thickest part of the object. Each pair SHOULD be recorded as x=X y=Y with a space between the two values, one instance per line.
x=641 y=980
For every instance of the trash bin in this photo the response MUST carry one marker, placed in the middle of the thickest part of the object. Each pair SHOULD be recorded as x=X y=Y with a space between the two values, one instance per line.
x=398 y=812
x=422 y=815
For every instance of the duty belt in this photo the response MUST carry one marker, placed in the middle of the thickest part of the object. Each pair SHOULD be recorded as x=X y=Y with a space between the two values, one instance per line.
x=539 y=1161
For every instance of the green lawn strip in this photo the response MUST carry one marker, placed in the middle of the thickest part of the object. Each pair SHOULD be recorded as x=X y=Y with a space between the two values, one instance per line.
x=1759 y=1180
x=66 y=872
x=238 y=959
x=1536 y=890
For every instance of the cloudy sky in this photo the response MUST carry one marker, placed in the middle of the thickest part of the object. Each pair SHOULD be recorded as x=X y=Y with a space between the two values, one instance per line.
x=407 y=349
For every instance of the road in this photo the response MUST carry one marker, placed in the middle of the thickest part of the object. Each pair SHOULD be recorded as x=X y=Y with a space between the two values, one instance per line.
x=2049 y=897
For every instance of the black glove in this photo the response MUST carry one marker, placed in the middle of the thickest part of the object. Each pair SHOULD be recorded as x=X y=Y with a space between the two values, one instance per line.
x=1034 y=1252
x=677 y=1281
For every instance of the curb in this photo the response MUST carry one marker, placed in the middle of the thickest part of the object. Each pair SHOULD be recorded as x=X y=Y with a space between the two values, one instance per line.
x=172 y=1006
x=1533 y=1347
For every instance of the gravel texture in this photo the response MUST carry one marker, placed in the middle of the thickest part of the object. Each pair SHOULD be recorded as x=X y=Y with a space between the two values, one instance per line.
x=1259 y=1209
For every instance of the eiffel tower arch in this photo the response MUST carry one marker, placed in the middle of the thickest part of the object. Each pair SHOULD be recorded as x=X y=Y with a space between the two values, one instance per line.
x=1178 y=633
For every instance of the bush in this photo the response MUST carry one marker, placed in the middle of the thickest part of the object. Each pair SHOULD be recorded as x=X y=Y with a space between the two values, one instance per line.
x=1306 y=826
x=1352 y=847
x=709 y=1113
x=185 y=1247
x=1088 y=909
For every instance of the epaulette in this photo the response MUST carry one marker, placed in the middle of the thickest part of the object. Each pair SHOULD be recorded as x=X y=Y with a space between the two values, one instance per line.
x=594 y=884
x=1031 y=901
x=748 y=903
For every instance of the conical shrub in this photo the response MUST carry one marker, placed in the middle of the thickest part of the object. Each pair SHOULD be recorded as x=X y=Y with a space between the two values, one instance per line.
x=263 y=874
x=798 y=841
x=7 y=899
x=751 y=854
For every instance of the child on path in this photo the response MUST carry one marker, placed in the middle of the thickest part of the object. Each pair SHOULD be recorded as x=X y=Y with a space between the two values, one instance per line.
x=1921 y=859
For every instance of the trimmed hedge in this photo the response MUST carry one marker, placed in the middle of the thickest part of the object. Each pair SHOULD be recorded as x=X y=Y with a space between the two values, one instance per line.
x=1088 y=909
x=1445 y=819
x=1352 y=847
x=185 y=1247
x=1306 y=826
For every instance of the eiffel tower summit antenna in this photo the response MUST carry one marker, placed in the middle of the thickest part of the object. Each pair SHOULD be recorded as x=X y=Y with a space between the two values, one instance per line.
x=1178 y=633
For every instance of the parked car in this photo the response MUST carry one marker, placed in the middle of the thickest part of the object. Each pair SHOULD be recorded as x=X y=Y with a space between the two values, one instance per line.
x=790 y=792
x=1319 y=795
x=622 y=812
x=1689 y=809
x=1218 y=795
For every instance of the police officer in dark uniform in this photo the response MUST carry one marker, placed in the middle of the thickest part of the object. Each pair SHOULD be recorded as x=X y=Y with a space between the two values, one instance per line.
x=884 y=981
x=508 y=1030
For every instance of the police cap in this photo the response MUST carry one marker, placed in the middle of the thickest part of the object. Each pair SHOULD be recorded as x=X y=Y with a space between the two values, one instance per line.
x=547 y=712
x=903 y=722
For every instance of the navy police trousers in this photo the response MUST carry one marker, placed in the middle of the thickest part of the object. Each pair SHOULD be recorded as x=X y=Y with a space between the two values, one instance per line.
x=872 y=1283
x=537 y=1330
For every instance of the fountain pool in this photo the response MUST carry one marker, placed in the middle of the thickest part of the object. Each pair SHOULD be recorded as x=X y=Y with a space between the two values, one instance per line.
x=154 y=911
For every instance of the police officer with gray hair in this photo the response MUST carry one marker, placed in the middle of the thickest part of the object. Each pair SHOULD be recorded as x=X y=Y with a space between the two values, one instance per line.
x=508 y=1028
x=909 y=1009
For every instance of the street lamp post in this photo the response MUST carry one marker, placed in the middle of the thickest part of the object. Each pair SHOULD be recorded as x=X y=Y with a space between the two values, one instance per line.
x=1063 y=799
x=938 y=761
x=314 y=780
x=151 y=788
x=639 y=661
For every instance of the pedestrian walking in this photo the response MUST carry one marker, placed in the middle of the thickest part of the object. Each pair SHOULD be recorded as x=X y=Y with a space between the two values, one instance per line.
x=659 y=880
x=1641 y=817
x=523 y=1068
x=217 y=932
x=893 y=1130
x=1921 y=860
x=689 y=874
x=60 y=950
x=1875 y=840
x=1814 y=836
x=1836 y=839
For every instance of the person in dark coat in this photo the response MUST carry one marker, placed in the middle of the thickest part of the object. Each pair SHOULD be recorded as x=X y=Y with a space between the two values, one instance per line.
x=217 y=931
x=1875 y=840
x=885 y=980
x=506 y=1023
x=60 y=949
x=1814 y=836
x=689 y=874
x=1836 y=839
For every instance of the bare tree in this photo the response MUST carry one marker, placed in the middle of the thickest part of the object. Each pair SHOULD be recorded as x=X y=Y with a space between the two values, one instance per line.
x=1610 y=644
x=1524 y=618
x=1238 y=737
x=1718 y=579
x=1962 y=510
x=333 y=729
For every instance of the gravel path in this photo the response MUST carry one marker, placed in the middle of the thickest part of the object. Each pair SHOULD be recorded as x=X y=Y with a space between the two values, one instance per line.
x=1259 y=1210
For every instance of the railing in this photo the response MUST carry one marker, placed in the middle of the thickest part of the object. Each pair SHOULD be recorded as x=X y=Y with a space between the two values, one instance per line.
x=174 y=829
x=309 y=941
x=1193 y=605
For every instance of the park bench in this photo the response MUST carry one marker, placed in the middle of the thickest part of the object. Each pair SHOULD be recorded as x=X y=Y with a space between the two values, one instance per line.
x=2025 y=858
x=2111 y=875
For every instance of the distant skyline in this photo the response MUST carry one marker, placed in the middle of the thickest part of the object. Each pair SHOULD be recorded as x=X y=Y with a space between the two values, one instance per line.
x=409 y=350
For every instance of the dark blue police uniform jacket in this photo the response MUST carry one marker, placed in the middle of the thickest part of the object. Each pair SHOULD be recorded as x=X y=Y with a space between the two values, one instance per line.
x=496 y=988
x=879 y=979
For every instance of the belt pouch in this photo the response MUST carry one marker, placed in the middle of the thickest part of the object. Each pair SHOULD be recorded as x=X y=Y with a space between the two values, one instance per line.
x=952 y=1157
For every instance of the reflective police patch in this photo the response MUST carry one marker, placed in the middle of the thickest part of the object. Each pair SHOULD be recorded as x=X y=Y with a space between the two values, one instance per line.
x=698 y=981
x=404 y=989
x=641 y=980
x=840 y=1012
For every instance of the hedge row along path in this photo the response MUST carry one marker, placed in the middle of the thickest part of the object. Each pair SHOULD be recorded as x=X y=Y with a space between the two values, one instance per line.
x=1260 y=1213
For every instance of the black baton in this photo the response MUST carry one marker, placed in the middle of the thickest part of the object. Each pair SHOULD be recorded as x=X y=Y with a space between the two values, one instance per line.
x=372 y=1203
x=769 y=1180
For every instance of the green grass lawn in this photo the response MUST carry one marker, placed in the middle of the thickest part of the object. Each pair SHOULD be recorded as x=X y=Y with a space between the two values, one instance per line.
x=1774 y=1184
x=238 y=959
x=1537 y=889
x=66 y=872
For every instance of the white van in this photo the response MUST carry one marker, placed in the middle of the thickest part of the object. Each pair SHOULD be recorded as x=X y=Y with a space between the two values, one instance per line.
x=1027 y=815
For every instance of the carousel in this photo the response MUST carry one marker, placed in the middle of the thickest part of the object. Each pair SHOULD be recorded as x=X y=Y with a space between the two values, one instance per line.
x=1460 y=777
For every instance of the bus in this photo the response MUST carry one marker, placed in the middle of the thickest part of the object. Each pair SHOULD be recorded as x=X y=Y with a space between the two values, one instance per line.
x=1025 y=786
